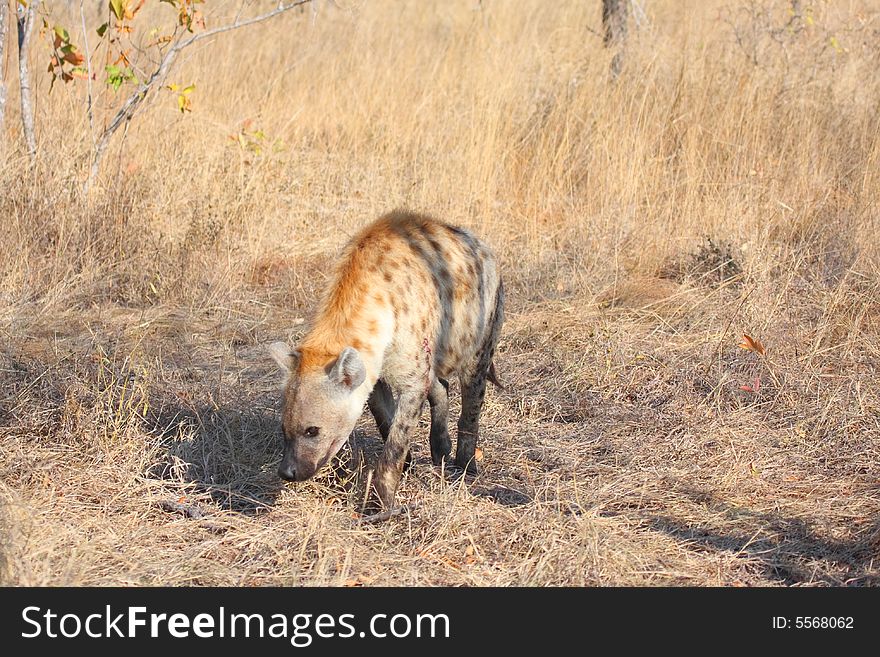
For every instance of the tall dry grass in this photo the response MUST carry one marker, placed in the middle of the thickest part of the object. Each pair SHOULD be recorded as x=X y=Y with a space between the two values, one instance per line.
x=725 y=183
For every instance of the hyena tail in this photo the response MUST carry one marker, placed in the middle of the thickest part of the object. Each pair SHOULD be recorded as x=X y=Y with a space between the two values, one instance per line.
x=492 y=376
x=495 y=333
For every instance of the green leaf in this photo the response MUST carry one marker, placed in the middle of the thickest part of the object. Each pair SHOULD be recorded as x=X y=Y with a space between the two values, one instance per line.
x=101 y=30
x=186 y=91
x=114 y=76
x=118 y=8
x=62 y=33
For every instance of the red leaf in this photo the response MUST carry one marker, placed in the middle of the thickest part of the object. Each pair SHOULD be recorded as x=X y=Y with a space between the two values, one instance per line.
x=74 y=58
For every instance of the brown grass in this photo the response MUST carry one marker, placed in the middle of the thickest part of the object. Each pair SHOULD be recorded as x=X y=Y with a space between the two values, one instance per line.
x=727 y=183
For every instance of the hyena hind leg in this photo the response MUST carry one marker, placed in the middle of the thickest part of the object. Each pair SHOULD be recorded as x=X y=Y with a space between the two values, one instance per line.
x=473 y=390
x=438 y=398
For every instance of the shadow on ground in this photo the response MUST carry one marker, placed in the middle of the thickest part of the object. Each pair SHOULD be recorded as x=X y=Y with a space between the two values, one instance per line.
x=502 y=495
x=789 y=549
x=231 y=453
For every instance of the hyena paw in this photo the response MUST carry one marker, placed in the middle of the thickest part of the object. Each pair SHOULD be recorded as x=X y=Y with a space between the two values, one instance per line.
x=469 y=466
x=440 y=451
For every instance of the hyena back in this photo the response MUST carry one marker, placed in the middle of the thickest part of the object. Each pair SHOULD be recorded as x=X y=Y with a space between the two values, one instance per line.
x=413 y=302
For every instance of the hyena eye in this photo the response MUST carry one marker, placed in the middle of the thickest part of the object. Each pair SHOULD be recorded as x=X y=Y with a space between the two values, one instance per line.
x=311 y=432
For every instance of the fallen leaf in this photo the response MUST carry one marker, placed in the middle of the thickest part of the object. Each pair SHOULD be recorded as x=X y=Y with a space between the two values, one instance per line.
x=752 y=344
x=360 y=580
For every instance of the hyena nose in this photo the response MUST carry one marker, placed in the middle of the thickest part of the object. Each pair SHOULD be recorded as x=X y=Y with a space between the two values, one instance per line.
x=286 y=471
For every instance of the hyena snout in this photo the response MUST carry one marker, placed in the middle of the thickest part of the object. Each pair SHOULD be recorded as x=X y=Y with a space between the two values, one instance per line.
x=287 y=471
x=292 y=470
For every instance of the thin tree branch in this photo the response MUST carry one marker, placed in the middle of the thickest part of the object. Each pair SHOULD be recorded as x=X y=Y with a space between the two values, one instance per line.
x=387 y=515
x=26 y=19
x=88 y=55
x=280 y=9
x=133 y=102
x=4 y=26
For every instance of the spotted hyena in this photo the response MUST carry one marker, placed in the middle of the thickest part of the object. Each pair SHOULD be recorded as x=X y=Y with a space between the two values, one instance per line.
x=413 y=301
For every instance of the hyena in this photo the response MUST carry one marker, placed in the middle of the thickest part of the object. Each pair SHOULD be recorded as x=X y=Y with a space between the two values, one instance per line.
x=413 y=301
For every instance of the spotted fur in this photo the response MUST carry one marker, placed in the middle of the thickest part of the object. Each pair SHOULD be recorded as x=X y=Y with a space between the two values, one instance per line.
x=413 y=301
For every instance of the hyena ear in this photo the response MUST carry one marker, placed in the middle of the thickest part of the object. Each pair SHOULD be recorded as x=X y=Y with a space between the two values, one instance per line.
x=286 y=357
x=348 y=370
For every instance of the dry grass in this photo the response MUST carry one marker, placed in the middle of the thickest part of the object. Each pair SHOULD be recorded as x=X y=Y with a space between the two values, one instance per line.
x=727 y=183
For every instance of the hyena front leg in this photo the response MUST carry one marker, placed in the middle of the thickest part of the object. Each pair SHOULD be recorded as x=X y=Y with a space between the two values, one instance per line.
x=391 y=462
x=438 y=398
x=383 y=407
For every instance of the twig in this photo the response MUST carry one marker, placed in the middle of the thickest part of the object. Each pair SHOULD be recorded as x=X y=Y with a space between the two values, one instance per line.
x=193 y=512
x=188 y=510
x=133 y=102
x=724 y=332
x=88 y=55
x=386 y=515
x=367 y=489
x=638 y=13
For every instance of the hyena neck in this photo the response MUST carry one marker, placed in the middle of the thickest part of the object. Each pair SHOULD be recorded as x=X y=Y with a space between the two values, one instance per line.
x=354 y=312
x=328 y=338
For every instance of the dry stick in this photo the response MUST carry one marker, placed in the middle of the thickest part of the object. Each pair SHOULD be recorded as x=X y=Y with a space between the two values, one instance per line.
x=26 y=18
x=724 y=332
x=88 y=54
x=188 y=510
x=367 y=490
x=133 y=102
x=193 y=512
x=4 y=24
x=386 y=515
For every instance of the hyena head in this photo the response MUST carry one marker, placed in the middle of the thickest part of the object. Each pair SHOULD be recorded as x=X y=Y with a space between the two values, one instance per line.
x=321 y=406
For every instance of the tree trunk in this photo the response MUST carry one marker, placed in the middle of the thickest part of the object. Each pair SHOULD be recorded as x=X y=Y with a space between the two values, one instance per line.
x=4 y=26
x=614 y=17
x=26 y=20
